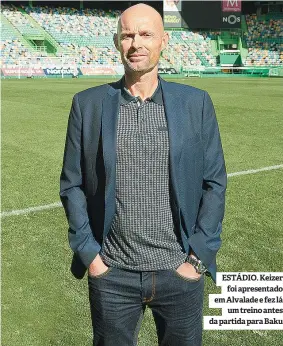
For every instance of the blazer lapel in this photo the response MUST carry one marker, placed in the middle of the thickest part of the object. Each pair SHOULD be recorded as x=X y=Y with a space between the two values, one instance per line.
x=110 y=109
x=175 y=121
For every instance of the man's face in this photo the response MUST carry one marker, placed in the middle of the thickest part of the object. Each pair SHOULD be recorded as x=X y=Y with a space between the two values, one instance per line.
x=140 y=40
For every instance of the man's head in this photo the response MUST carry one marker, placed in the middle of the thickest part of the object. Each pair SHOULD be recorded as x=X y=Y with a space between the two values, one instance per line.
x=140 y=38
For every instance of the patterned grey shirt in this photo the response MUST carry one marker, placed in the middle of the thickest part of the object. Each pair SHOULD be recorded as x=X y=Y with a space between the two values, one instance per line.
x=142 y=235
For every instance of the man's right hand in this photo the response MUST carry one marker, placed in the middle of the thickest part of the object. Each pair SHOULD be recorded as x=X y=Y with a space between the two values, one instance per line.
x=97 y=267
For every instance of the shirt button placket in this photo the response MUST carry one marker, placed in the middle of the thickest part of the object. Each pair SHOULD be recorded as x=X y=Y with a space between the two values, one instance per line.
x=140 y=116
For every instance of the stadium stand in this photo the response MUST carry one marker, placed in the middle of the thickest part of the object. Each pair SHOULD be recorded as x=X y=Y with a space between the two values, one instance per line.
x=188 y=49
x=50 y=37
x=264 y=40
x=19 y=21
x=85 y=33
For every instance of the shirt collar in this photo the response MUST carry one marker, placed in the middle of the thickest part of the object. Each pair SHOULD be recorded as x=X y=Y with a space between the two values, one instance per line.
x=127 y=97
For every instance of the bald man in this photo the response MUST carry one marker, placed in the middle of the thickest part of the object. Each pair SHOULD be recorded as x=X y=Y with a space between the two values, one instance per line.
x=143 y=185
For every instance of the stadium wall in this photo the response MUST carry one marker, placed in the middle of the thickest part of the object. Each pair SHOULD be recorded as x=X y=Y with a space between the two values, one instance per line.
x=102 y=72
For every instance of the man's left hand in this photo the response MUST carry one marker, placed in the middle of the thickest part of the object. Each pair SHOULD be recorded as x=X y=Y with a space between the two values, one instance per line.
x=188 y=271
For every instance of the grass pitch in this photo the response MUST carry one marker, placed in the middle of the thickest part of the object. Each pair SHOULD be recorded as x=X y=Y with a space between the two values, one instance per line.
x=42 y=304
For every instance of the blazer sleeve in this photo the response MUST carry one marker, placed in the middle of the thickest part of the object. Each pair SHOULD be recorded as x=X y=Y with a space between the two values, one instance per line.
x=206 y=240
x=72 y=196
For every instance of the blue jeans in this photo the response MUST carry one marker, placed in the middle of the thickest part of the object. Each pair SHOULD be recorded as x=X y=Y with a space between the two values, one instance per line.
x=118 y=299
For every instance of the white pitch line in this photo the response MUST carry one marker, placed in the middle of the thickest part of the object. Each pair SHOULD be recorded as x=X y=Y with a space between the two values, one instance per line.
x=58 y=204
x=31 y=209
x=253 y=171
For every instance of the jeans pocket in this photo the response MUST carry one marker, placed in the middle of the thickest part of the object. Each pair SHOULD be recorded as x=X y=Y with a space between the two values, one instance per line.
x=107 y=271
x=185 y=278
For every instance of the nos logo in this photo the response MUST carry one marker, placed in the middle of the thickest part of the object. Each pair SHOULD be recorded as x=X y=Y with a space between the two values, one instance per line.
x=232 y=19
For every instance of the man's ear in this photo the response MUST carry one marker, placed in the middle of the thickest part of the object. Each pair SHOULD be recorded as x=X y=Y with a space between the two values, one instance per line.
x=115 y=40
x=165 y=40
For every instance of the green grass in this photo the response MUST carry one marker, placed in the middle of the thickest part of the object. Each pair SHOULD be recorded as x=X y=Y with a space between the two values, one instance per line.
x=42 y=304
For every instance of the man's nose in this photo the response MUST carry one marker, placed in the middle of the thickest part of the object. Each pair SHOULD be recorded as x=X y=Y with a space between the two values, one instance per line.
x=136 y=42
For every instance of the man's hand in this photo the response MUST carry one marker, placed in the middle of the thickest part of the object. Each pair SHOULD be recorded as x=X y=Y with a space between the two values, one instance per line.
x=188 y=271
x=97 y=267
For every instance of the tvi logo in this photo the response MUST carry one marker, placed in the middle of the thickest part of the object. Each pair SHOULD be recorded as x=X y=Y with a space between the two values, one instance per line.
x=232 y=19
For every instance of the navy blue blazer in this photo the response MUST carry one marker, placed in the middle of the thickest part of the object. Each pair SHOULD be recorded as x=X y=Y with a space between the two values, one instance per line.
x=197 y=170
